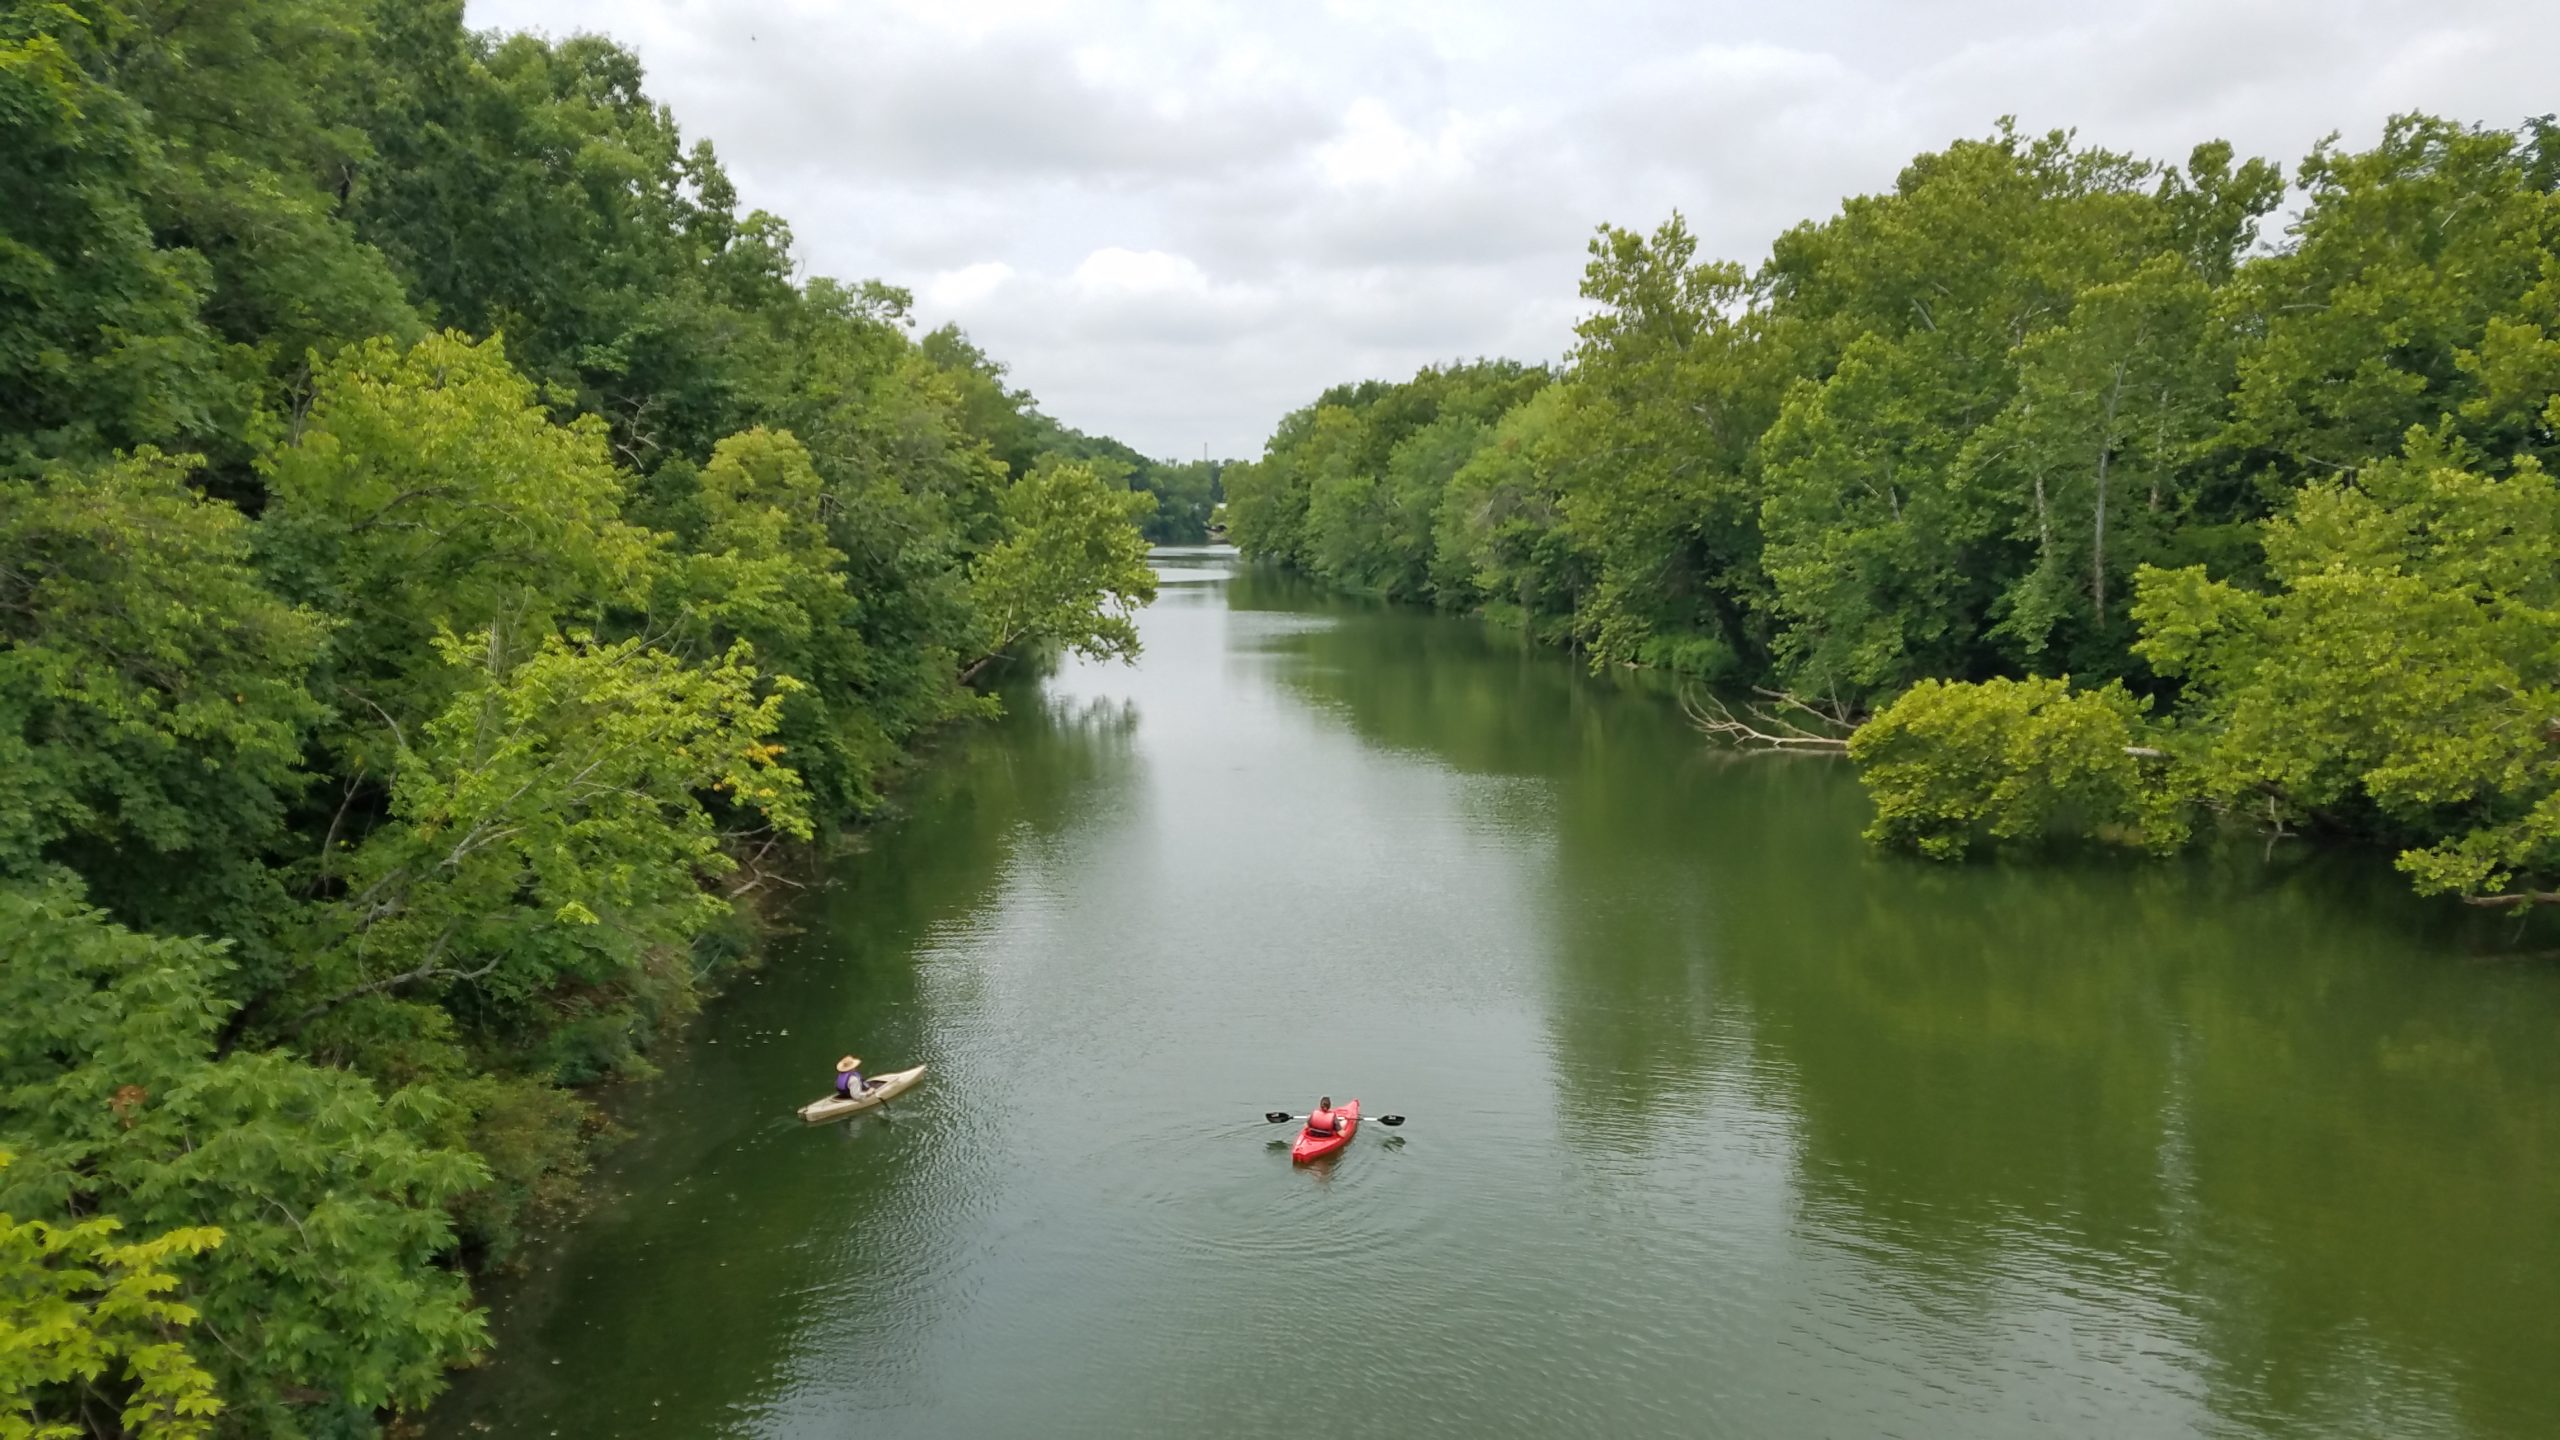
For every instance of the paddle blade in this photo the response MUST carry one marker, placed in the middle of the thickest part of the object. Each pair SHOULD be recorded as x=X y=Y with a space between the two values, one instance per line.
x=1275 y=1116
x=1390 y=1119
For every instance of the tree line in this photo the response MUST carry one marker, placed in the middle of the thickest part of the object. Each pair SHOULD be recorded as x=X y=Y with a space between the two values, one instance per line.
x=2095 y=510
x=449 y=554
x=1186 y=492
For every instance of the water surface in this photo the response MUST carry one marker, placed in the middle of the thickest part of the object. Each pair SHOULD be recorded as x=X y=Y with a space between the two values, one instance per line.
x=1720 y=1123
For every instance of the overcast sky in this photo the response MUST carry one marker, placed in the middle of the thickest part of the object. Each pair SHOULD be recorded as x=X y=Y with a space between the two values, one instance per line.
x=1176 y=222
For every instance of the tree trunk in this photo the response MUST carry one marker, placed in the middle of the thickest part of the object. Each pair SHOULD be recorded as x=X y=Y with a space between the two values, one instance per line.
x=2106 y=452
x=2159 y=449
x=994 y=653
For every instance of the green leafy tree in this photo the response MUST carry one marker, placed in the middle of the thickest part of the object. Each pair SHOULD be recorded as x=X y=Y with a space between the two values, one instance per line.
x=174 y=234
x=1004 y=418
x=2110 y=412
x=1882 y=569
x=1502 y=534
x=428 y=490
x=1885 y=560
x=2399 y=675
x=533 y=187
x=2212 y=208
x=1351 y=518
x=1351 y=488
x=2394 y=680
x=102 y=338
x=1659 y=485
x=1416 y=480
x=1375 y=461
x=545 y=840
x=2406 y=257
x=1186 y=494
x=1260 y=519
x=324 y=1302
x=910 y=496
x=1268 y=503
x=1952 y=766
x=152 y=691
x=1071 y=571
x=258 y=108
x=86 y=1324
x=764 y=571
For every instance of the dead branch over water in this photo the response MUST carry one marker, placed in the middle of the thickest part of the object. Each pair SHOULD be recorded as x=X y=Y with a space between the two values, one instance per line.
x=1777 y=721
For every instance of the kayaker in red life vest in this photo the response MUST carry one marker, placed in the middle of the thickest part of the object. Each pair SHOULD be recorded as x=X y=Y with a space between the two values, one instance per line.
x=849 y=1077
x=1324 y=1121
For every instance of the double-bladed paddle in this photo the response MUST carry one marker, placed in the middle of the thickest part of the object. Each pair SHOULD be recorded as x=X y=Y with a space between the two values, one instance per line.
x=1282 y=1117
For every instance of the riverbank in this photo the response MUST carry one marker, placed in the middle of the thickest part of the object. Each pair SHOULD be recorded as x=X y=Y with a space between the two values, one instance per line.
x=733 y=953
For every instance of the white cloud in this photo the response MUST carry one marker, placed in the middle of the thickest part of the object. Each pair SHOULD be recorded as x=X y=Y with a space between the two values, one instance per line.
x=1135 y=271
x=1177 y=222
x=968 y=285
x=1373 y=149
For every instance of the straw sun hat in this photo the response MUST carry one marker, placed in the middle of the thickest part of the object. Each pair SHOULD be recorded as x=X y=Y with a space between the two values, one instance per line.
x=846 y=1064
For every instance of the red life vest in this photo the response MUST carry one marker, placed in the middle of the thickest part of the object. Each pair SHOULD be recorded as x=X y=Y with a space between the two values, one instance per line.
x=1323 y=1122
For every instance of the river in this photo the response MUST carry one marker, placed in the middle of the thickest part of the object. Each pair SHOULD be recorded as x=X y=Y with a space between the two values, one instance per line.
x=1719 y=1123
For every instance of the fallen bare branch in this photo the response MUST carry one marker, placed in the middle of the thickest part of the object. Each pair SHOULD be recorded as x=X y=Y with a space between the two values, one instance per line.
x=1764 y=730
x=2514 y=899
x=1823 y=729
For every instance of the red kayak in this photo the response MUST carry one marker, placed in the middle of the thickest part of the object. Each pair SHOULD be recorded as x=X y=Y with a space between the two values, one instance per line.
x=1312 y=1146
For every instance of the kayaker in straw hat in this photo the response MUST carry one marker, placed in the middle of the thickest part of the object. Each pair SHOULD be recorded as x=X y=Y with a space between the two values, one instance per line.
x=849 y=1077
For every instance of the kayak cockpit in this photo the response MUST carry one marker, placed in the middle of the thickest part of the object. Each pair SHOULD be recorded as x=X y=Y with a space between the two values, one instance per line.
x=1314 y=1144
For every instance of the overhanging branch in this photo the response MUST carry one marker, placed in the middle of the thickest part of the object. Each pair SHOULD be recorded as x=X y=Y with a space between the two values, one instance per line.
x=2514 y=899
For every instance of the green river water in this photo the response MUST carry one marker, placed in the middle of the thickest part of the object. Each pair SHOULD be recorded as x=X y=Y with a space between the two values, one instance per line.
x=1721 y=1124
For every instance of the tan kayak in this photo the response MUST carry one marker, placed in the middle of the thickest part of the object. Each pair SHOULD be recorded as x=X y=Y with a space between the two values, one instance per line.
x=883 y=1088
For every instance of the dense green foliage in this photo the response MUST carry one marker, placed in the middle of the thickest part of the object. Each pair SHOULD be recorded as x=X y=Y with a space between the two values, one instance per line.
x=2043 y=416
x=323 y=1301
x=443 y=551
x=84 y=1307
x=2400 y=671
x=1069 y=538
x=2016 y=760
